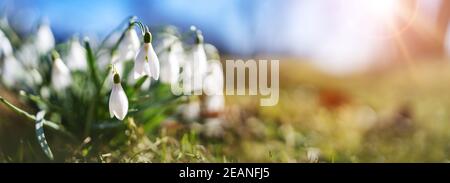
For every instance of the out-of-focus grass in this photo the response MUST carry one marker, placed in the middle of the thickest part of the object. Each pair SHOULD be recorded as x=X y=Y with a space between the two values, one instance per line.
x=400 y=114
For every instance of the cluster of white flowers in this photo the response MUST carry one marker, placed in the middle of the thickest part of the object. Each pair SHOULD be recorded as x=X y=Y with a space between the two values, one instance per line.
x=146 y=63
x=178 y=60
x=202 y=74
x=20 y=67
x=71 y=80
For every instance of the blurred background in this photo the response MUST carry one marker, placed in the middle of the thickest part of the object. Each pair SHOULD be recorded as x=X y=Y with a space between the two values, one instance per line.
x=339 y=35
x=360 y=80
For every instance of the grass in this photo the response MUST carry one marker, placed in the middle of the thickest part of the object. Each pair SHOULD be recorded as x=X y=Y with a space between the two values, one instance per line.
x=400 y=114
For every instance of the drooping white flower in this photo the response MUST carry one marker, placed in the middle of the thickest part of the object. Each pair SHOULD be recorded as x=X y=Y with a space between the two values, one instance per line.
x=171 y=41
x=214 y=101
x=5 y=46
x=194 y=70
x=129 y=45
x=104 y=58
x=28 y=55
x=211 y=52
x=44 y=39
x=12 y=72
x=76 y=58
x=213 y=82
x=118 y=101
x=146 y=62
x=170 y=64
x=33 y=77
x=61 y=77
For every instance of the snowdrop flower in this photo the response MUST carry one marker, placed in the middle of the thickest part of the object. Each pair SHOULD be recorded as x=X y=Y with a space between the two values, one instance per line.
x=213 y=82
x=166 y=40
x=5 y=45
x=44 y=39
x=61 y=77
x=169 y=40
x=104 y=58
x=118 y=101
x=12 y=72
x=170 y=66
x=147 y=62
x=129 y=45
x=111 y=59
x=211 y=52
x=28 y=55
x=195 y=69
x=214 y=101
x=76 y=58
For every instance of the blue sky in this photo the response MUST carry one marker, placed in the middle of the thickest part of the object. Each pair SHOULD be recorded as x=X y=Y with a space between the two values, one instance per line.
x=327 y=31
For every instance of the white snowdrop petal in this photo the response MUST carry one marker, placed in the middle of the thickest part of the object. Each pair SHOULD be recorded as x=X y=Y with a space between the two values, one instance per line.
x=195 y=69
x=61 y=77
x=139 y=62
x=134 y=39
x=146 y=67
x=139 y=69
x=170 y=67
x=118 y=102
x=28 y=55
x=110 y=103
x=200 y=60
x=146 y=62
x=213 y=83
x=115 y=102
x=12 y=71
x=153 y=62
x=123 y=110
x=76 y=59
x=44 y=39
x=129 y=46
x=5 y=45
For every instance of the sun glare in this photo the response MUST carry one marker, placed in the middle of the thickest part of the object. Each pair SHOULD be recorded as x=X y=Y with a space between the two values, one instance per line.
x=382 y=9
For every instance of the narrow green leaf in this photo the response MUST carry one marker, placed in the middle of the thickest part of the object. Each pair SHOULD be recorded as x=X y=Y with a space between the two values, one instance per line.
x=31 y=117
x=91 y=64
x=140 y=82
x=40 y=135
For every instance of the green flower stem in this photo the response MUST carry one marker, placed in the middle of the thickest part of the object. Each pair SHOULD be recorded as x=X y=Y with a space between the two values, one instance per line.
x=141 y=26
x=50 y=124
x=132 y=22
